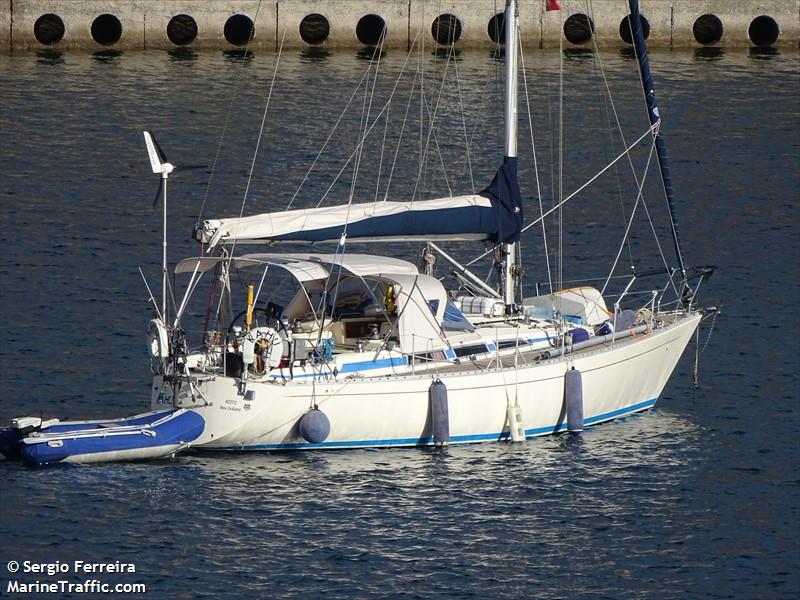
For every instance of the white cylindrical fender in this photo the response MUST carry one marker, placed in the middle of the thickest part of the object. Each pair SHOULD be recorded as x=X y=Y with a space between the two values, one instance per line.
x=249 y=349
x=573 y=396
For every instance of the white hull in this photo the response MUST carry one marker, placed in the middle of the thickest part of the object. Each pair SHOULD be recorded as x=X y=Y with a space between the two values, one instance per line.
x=618 y=380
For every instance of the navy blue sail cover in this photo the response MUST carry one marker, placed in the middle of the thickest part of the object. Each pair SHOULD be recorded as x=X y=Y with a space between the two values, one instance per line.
x=416 y=223
x=495 y=215
x=506 y=200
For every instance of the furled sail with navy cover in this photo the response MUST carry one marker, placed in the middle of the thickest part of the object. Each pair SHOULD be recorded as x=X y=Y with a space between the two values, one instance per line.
x=494 y=215
x=506 y=201
x=655 y=117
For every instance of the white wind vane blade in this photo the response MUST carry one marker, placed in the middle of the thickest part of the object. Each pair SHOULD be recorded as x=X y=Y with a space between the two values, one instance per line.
x=158 y=162
x=155 y=159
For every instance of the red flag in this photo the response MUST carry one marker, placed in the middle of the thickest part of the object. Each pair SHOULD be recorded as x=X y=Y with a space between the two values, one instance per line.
x=553 y=5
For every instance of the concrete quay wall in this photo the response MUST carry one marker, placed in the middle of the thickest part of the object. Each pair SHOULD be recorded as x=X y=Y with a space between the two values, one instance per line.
x=227 y=24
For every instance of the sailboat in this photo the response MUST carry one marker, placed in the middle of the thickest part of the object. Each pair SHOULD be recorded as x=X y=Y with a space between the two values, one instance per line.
x=371 y=352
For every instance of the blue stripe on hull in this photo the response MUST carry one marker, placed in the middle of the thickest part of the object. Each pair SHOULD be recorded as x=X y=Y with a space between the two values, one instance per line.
x=457 y=439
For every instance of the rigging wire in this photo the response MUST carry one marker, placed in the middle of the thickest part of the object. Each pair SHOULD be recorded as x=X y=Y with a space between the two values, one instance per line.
x=639 y=197
x=400 y=139
x=606 y=98
x=432 y=133
x=369 y=130
x=421 y=69
x=383 y=151
x=560 y=157
x=535 y=168
x=252 y=165
x=619 y=157
x=377 y=53
x=260 y=137
x=630 y=160
x=463 y=119
x=236 y=89
x=330 y=135
x=661 y=167
x=366 y=108
x=425 y=110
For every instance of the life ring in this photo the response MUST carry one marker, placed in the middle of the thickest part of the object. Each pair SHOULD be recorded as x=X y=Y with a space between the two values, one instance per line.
x=158 y=345
x=389 y=301
x=267 y=347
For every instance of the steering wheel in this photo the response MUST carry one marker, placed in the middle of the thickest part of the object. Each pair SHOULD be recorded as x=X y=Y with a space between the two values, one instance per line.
x=239 y=316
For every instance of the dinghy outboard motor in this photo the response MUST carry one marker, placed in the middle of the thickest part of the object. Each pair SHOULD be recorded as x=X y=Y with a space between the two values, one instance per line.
x=21 y=427
x=10 y=442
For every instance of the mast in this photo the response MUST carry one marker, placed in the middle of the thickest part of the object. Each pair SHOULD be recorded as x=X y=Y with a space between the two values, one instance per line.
x=652 y=113
x=511 y=19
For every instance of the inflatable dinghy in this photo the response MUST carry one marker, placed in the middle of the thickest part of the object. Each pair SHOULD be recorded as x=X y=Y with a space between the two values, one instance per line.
x=146 y=436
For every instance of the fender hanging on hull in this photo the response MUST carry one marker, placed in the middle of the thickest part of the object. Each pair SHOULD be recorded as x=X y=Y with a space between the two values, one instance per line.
x=573 y=396
x=440 y=415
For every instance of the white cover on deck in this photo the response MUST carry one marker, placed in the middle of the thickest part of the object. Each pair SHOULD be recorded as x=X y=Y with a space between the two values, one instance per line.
x=584 y=302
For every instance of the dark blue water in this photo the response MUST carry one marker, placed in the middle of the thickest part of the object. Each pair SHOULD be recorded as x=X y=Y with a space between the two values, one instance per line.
x=698 y=498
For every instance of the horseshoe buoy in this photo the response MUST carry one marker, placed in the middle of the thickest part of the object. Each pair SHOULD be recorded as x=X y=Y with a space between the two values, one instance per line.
x=389 y=301
x=158 y=345
x=266 y=346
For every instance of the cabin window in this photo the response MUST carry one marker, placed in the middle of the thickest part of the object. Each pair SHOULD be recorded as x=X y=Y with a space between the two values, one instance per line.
x=354 y=297
x=454 y=320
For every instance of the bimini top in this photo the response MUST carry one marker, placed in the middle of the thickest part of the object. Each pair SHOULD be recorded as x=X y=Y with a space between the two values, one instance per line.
x=495 y=215
x=306 y=267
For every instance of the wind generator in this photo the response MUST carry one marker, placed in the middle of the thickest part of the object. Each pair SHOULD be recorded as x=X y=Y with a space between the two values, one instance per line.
x=160 y=164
